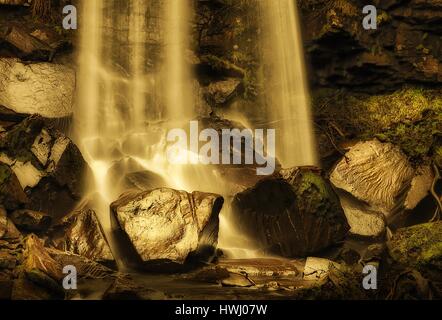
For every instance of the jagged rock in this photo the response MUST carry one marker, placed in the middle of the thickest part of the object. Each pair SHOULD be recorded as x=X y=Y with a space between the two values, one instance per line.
x=11 y=193
x=169 y=225
x=28 y=47
x=48 y=165
x=43 y=88
x=81 y=233
x=29 y=220
x=420 y=186
x=375 y=173
x=36 y=257
x=221 y=92
x=317 y=269
x=362 y=220
x=419 y=247
x=39 y=276
x=293 y=214
x=8 y=231
x=375 y=181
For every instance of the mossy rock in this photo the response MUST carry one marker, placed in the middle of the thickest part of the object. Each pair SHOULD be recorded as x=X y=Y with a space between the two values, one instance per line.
x=294 y=213
x=419 y=247
x=410 y=118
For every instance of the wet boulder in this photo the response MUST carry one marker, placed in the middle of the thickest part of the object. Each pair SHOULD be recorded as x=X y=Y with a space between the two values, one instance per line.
x=81 y=233
x=293 y=214
x=167 y=226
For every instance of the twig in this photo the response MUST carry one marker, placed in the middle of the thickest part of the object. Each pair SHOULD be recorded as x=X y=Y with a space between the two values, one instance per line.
x=437 y=177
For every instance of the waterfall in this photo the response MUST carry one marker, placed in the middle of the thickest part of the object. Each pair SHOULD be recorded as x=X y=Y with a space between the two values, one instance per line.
x=178 y=78
x=286 y=93
x=134 y=84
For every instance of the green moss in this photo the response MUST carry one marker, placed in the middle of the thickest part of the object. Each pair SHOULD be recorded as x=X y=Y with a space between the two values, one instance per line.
x=415 y=139
x=309 y=180
x=410 y=118
x=418 y=246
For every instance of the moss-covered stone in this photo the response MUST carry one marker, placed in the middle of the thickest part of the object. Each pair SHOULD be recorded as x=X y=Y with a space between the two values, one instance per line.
x=419 y=247
x=410 y=118
x=295 y=213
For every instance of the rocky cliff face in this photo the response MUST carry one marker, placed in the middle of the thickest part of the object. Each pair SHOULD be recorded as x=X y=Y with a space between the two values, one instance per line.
x=405 y=47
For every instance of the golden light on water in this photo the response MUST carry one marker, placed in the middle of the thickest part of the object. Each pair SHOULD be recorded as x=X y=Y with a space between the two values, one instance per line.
x=115 y=119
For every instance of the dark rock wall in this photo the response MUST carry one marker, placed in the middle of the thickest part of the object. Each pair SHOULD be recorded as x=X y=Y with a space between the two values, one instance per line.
x=405 y=48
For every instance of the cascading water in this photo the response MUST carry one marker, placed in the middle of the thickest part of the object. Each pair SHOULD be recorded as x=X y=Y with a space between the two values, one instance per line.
x=134 y=85
x=286 y=93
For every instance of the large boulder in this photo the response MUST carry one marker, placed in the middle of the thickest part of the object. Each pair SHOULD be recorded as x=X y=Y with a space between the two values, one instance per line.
x=81 y=233
x=48 y=165
x=375 y=182
x=419 y=247
x=169 y=226
x=293 y=214
x=44 y=88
